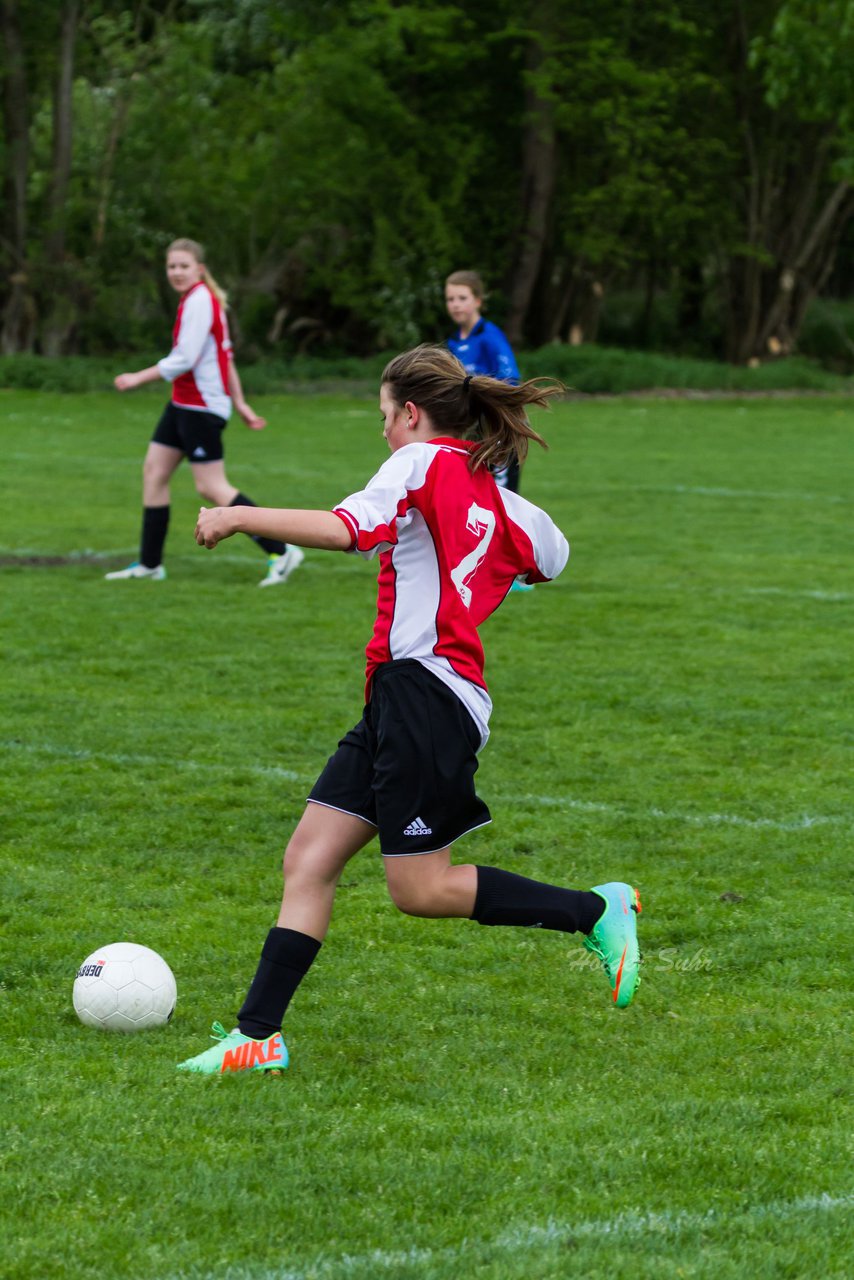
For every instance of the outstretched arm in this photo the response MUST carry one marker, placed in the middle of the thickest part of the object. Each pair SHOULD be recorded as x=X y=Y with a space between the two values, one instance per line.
x=235 y=390
x=127 y=381
x=306 y=528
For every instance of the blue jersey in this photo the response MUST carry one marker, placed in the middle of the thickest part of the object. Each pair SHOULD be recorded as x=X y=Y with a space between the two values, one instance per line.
x=486 y=351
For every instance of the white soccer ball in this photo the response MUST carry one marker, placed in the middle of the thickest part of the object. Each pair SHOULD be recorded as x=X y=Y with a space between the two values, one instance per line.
x=124 y=987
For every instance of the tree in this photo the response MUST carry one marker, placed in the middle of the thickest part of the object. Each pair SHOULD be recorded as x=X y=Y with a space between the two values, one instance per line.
x=17 y=328
x=791 y=66
x=624 y=177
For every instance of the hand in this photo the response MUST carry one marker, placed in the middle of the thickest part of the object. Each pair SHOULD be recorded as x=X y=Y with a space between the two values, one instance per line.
x=125 y=382
x=214 y=524
x=250 y=417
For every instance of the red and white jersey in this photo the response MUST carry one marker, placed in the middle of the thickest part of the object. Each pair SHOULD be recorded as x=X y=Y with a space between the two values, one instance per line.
x=450 y=544
x=197 y=365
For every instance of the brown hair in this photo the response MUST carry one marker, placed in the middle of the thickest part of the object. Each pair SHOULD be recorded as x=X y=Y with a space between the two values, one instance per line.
x=193 y=247
x=475 y=406
x=469 y=280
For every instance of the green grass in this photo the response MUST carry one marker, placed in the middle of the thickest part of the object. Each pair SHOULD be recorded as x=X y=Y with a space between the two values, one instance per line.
x=675 y=710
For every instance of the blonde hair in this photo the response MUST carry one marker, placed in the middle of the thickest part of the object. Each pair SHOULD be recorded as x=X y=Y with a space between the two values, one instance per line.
x=193 y=247
x=458 y=404
x=468 y=280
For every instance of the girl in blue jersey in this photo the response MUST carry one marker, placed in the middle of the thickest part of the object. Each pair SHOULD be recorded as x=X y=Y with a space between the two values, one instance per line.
x=449 y=543
x=481 y=347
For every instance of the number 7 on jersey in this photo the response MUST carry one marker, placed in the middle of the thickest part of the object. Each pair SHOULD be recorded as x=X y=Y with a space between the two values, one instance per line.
x=480 y=522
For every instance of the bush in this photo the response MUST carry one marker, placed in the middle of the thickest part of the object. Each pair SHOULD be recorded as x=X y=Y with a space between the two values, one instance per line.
x=595 y=370
x=591 y=370
x=827 y=334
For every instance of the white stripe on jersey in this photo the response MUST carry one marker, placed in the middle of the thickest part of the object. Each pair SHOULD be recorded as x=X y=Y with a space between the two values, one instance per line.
x=195 y=351
x=413 y=631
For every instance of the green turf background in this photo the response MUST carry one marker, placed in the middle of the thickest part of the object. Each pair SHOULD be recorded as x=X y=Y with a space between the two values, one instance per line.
x=675 y=710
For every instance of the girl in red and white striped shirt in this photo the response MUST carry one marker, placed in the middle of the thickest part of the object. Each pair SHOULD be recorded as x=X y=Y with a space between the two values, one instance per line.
x=205 y=385
x=450 y=544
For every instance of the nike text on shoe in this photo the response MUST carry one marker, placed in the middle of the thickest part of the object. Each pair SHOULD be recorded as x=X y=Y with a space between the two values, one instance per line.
x=234 y=1051
x=281 y=567
x=137 y=571
x=614 y=939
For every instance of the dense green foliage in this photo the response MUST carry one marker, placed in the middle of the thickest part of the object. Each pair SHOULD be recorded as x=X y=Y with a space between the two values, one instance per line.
x=587 y=370
x=339 y=157
x=462 y=1101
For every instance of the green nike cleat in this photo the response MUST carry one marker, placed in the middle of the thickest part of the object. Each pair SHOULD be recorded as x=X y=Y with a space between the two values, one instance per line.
x=236 y=1052
x=614 y=939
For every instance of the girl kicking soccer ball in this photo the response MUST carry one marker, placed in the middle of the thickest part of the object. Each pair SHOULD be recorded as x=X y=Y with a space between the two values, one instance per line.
x=205 y=385
x=450 y=544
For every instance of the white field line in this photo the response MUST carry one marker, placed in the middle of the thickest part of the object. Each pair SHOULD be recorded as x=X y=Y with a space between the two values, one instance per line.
x=530 y=1238
x=810 y=595
x=171 y=766
x=87 y=555
x=731 y=593
x=803 y=822
x=250 y=557
x=708 y=491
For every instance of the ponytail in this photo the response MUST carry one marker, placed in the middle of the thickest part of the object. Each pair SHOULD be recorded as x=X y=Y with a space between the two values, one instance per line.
x=469 y=405
x=193 y=247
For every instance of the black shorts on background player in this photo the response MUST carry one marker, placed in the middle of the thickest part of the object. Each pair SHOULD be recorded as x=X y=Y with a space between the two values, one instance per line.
x=196 y=432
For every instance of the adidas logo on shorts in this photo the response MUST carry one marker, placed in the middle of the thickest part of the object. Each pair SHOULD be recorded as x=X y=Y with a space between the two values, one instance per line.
x=417 y=828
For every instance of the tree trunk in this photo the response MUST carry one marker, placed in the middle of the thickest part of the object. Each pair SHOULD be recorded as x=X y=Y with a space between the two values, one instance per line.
x=16 y=333
x=539 y=155
x=120 y=115
x=62 y=110
x=61 y=317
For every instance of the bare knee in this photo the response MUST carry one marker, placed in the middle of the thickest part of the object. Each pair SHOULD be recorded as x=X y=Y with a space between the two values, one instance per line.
x=413 y=898
x=155 y=477
x=297 y=858
x=308 y=863
x=429 y=885
x=215 y=490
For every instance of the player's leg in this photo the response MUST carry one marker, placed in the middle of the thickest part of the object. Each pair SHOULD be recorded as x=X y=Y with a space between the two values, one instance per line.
x=161 y=460
x=430 y=885
x=214 y=486
x=160 y=464
x=425 y=796
x=317 y=853
x=321 y=846
x=338 y=821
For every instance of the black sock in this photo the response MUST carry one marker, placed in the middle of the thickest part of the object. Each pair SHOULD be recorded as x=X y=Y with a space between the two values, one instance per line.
x=270 y=545
x=286 y=958
x=155 y=522
x=505 y=898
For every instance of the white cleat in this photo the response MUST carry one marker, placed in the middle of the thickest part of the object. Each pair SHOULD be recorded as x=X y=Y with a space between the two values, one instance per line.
x=137 y=571
x=281 y=567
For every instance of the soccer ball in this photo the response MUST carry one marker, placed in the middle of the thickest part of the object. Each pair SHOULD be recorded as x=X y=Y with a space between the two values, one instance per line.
x=124 y=987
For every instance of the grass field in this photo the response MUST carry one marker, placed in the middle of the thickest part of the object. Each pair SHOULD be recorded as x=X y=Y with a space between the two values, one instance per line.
x=462 y=1102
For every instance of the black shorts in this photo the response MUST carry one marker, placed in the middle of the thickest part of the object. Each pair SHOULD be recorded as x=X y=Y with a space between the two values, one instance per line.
x=197 y=433
x=408 y=766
